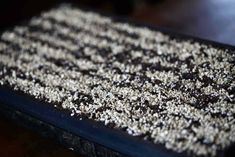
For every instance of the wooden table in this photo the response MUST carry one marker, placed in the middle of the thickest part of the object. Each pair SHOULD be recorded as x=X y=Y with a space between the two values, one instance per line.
x=20 y=142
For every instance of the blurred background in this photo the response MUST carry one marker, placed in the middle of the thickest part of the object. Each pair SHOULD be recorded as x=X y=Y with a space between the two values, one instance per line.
x=208 y=19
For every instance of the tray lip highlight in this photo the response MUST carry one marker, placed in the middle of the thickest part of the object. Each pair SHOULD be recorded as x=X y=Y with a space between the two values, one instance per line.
x=98 y=125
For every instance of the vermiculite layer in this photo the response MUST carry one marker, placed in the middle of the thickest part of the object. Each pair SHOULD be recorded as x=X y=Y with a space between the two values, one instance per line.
x=177 y=93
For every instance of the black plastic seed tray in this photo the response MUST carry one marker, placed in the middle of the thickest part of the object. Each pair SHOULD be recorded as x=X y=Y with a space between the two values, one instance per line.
x=81 y=134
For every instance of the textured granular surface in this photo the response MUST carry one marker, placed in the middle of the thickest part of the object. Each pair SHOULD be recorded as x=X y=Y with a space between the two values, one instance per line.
x=177 y=93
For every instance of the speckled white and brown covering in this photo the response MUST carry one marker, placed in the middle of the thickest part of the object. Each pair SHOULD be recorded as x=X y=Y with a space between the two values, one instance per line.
x=177 y=93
